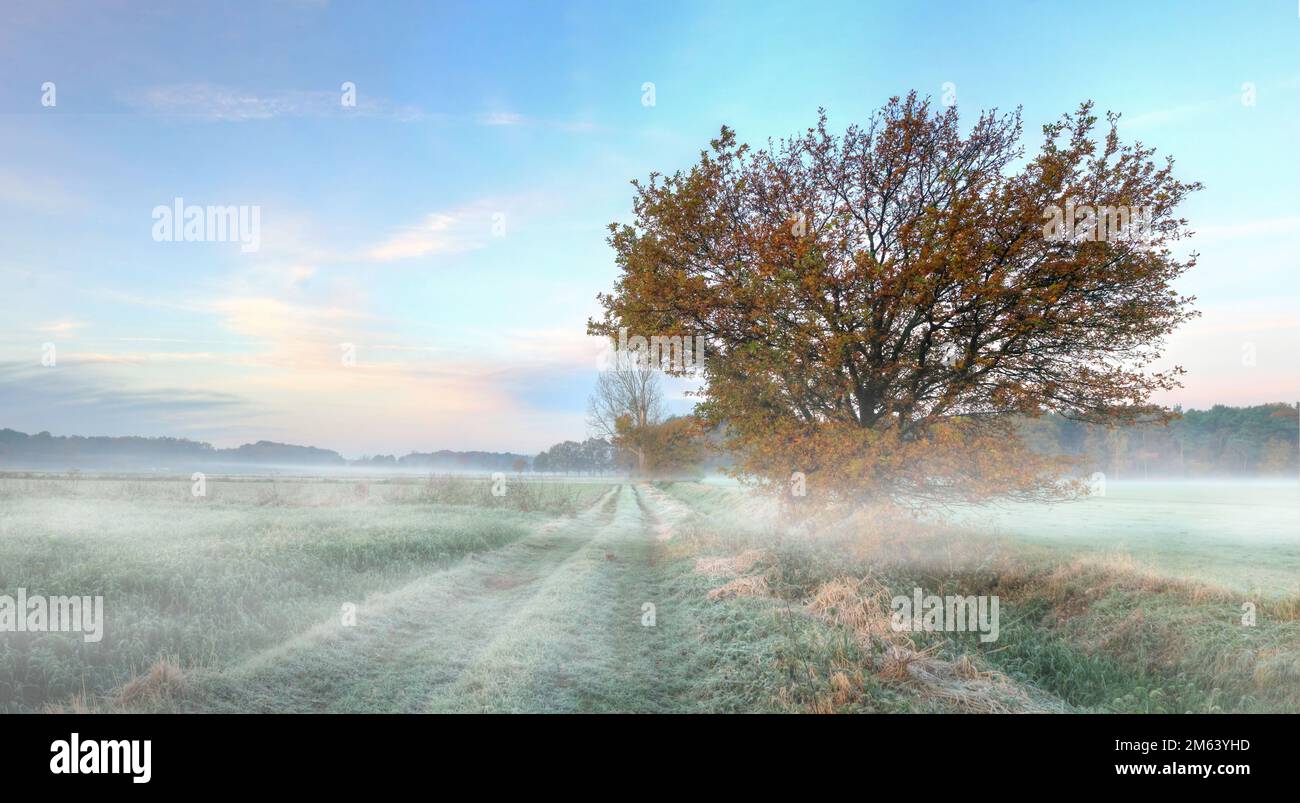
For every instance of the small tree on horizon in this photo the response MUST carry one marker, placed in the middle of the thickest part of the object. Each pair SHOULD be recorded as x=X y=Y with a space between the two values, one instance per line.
x=626 y=404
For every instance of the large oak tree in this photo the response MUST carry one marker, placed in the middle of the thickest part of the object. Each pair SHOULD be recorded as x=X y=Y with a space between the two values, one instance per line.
x=879 y=304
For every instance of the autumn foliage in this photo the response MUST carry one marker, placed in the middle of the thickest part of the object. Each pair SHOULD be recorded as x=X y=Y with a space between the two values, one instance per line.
x=878 y=303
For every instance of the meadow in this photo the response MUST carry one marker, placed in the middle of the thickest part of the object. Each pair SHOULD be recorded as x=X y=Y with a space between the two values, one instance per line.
x=435 y=594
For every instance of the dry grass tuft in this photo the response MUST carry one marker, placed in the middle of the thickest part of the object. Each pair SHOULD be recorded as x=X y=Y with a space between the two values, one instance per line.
x=1285 y=610
x=80 y=704
x=846 y=688
x=1276 y=668
x=159 y=688
x=755 y=586
x=729 y=567
x=863 y=606
x=163 y=683
x=963 y=687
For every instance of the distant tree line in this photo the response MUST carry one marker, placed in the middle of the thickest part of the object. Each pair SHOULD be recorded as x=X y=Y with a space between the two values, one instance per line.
x=1258 y=441
x=1263 y=440
x=592 y=456
x=446 y=460
x=46 y=451
x=673 y=447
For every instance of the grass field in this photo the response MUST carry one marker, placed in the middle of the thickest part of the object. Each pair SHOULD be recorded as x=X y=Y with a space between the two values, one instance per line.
x=610 y=596
x=1239 y=535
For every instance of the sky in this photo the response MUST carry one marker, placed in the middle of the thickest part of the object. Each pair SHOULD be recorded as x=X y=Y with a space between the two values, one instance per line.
x=428 y=256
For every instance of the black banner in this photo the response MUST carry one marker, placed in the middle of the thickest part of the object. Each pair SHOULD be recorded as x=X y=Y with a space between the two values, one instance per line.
x=140 y=752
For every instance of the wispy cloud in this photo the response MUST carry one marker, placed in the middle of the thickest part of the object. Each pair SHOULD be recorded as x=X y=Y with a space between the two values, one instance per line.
x=1159 y=117
x=61 y=327
x=513 y=119
x=1250 y=229
x=501 y=118
x=1184 y=112
x=438 y=234
x=88 y=398
x=220 y=103
x=40 y=193
x=289 y=334
x=214 y=102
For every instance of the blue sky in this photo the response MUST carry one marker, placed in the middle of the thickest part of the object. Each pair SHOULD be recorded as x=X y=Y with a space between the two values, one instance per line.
x=451 y=225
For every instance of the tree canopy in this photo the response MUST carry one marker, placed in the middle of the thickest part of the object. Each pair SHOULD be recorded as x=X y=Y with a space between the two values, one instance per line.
x=878 y=303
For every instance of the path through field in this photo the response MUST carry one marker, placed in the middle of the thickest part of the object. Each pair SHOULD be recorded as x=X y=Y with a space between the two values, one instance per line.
x=551 y=622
